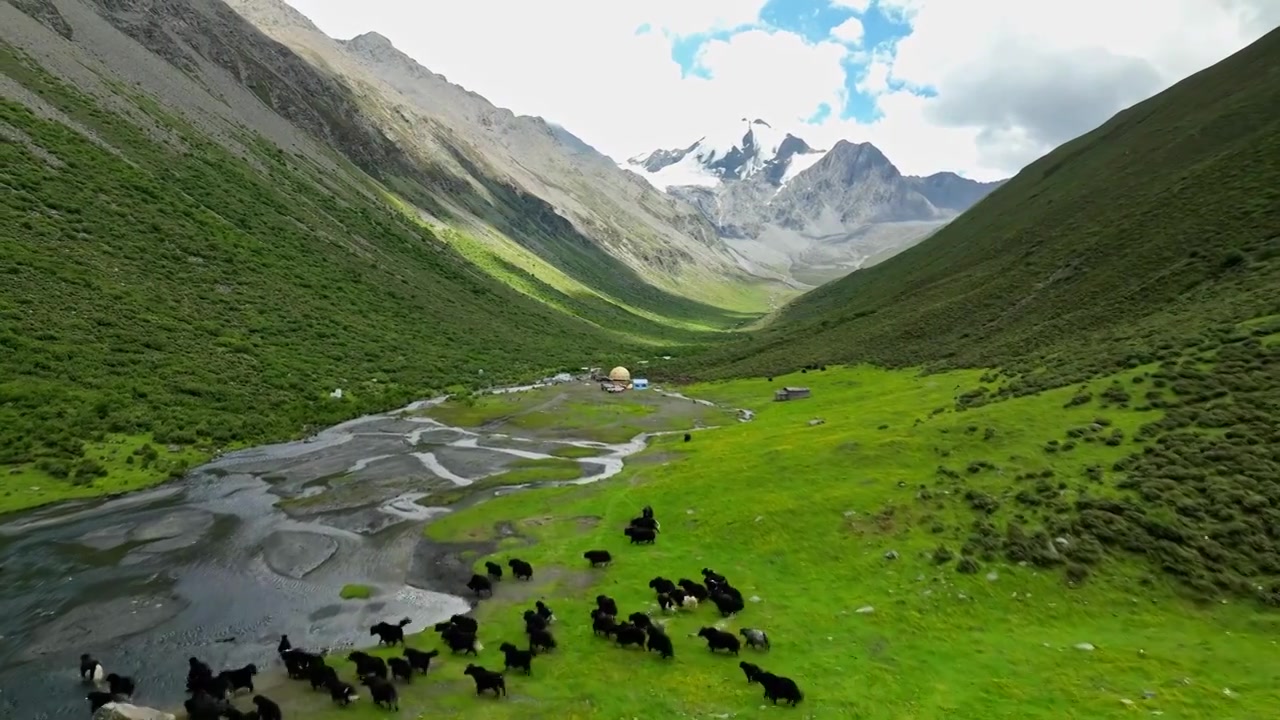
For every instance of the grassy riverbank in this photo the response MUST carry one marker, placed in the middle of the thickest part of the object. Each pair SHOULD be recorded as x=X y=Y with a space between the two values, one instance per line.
x=800 y=514
x=578 y=411
x=109 y=465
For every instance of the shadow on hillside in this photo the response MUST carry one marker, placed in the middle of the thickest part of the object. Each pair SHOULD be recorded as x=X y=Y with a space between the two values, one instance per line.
x=612 y=316
x=536 y=226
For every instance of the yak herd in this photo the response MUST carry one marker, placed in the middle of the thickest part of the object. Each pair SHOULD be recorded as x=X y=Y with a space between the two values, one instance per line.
x=460 y=634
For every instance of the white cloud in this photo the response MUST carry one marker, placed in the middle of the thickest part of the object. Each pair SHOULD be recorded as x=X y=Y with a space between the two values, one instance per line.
x=858 y=6
x=1012 y=78
x=1015 y=79
x=849 y=31
x=775 y=76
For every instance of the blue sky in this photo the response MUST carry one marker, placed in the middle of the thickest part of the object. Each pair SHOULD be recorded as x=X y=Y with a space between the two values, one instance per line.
x=812 y=20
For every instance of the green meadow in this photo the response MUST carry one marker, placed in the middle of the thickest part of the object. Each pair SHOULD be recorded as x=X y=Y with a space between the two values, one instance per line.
x=909 y=554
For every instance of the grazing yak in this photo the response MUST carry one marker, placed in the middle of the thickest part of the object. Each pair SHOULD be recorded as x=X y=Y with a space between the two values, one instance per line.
x=480 y=585
x=520 y=569
x=388 y=633
x=486 y=680
x=641 y=536
x=598 y=558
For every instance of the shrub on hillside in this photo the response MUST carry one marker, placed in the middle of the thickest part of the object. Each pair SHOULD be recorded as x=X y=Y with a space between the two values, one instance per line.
x=1076 y=573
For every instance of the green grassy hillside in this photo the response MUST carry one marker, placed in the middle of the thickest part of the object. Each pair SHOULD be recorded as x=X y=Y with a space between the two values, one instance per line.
x=999 y=521
x=1116 y=248
x=1149 y=246
x=164 y=298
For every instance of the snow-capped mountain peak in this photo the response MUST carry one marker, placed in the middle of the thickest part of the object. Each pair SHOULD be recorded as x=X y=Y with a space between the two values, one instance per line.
x=738 y=151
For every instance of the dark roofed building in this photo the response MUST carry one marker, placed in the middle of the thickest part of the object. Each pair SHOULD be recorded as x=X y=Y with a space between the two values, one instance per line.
x=791 y=393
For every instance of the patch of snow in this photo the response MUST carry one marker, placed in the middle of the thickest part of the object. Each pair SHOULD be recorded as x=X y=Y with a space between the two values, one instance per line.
x=689 y=171
x=799 y=163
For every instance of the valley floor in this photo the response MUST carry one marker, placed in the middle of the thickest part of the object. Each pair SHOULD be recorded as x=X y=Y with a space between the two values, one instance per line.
x=829 y=513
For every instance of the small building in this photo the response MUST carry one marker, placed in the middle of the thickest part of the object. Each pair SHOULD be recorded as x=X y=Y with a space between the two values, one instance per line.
x=791 y=393
x=639 y=384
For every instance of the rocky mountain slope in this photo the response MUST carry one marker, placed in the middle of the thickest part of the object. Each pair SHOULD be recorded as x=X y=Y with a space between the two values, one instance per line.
x=203 y=234
x=657 y=238
x=813 y=213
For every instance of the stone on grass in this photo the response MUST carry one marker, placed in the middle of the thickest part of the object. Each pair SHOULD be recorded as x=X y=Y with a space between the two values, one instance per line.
x=891 y=555
x=865 y=610
x=993 y=576
x=1084 y=646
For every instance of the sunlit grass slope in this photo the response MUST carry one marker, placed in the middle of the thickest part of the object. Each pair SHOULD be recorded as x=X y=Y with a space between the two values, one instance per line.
x=804 y=516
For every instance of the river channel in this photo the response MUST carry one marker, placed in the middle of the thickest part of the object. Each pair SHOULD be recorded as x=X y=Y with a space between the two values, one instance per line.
x=211 y=565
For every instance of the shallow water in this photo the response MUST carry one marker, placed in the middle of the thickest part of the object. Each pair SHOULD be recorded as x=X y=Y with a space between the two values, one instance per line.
x=212 y=566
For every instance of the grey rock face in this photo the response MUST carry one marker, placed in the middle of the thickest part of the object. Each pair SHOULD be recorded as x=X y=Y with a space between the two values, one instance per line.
x=816 y=218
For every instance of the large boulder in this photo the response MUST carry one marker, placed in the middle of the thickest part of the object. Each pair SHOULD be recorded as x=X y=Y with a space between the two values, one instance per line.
x=125 y=711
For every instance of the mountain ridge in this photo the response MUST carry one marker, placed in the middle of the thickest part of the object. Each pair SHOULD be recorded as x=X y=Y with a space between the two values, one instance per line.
x=812 y=213
x=662 y=241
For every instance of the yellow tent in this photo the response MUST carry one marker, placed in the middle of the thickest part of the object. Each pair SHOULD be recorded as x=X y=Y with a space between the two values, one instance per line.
x=620 y=375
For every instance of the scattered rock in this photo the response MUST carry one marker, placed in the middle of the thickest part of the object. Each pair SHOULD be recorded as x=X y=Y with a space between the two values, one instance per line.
x=754 y=598
x=816 y=421
x=125 y=711
x=1126 y=701
x=891 y=555
x=1148 y=694
x=865 y=610
x=993 y=576
x=850 y=513
x=1084 y=646
x=1229 y=692
x=759 y=518
x=1062 y=541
